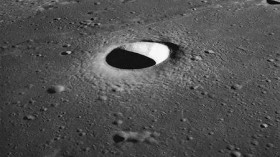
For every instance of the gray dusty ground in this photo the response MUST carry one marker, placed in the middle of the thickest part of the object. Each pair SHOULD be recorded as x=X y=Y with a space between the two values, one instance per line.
x=217 y=95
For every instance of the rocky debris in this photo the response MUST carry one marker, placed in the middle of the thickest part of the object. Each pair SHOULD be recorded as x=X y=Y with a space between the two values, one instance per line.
x=264 y=125
x=66 y=53
x=54 y=104
x=43 y=109
x=66 y=45
x=135 y=137
x=236 y=154
x=194 y=87
x=209 y=52
x=118 y=122
x=29 y=117
x=236 y=87
x=56 y=89
x=270 y=60
x=196 y=58
x=89 y=23
x=103 y=98
x=117 y=88
x=269 y=145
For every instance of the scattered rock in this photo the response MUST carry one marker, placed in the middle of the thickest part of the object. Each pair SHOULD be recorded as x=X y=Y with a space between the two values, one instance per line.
x=194 y=87
x=189 y=138
x=43 y=109
x=61 y=127
x=96 y=3
x=236 y=87
x=270 y=145
x=82 y=134
x=264 y=125
x=29 y=86
x=103 y=98
x=230 y=147
x=254 y=142
x=66 y=53
x=66 y=45
x=54 y=104
x=29 y=117
x=271 y=60
x=196 y=58
x=134 y=137
x=87 y=149
x=57 y=19
x=155 y=134
x=236 y=154
x=209 y=52
x=56 y=89
x=118 y=122
x=118 y=114
x=183 y=119
x=117 y=88
x=31 y=101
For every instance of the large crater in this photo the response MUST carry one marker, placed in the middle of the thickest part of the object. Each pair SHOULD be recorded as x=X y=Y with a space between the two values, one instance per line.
x=138 y=55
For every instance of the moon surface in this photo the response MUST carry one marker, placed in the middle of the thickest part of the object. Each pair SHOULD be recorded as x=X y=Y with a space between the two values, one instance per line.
x=140 y=78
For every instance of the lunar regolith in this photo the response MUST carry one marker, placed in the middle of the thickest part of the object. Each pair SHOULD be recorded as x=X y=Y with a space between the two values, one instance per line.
x=139 y=78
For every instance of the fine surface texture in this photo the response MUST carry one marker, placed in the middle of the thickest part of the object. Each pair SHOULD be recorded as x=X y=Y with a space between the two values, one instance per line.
x=217 y=94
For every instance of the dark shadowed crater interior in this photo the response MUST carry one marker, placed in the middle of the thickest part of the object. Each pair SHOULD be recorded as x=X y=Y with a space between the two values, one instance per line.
x=123 y=59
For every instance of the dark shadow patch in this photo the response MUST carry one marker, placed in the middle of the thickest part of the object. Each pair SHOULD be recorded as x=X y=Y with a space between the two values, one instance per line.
x=133 y=140
x=118 y=138
x=64 y=53
x=175 y=49
x=51 y=90
x=272 y=2
x=123 y=59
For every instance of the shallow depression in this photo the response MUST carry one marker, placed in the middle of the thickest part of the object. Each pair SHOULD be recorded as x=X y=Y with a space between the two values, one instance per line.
x=138 y=55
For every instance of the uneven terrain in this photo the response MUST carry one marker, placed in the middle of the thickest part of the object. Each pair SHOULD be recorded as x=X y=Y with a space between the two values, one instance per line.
x=218 y=94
